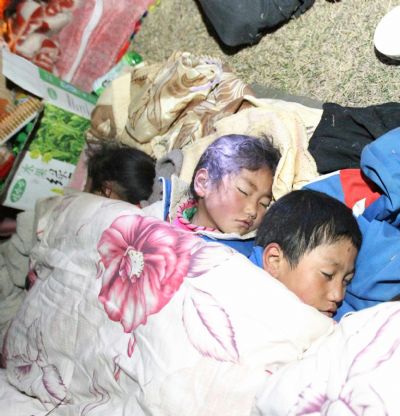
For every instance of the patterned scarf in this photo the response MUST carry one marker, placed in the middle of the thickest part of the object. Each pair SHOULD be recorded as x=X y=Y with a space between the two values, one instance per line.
x=185 y=214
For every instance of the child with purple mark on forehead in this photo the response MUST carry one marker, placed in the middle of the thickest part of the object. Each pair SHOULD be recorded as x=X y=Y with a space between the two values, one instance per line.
x=231 y=189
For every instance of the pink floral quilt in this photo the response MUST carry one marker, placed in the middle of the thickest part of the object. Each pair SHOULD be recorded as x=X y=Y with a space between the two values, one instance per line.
x=128 y=315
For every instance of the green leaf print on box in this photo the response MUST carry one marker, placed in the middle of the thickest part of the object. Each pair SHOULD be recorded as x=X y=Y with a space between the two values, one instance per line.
x=61 y=136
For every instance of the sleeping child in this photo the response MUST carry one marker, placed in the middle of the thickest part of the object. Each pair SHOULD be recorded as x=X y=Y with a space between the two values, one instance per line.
x=230 y=191
x=114 y=172
x=120 y=172
x=309 y=241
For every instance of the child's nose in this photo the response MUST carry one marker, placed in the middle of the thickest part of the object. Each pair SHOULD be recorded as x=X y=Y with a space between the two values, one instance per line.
x=337 y=291
x=251 y=210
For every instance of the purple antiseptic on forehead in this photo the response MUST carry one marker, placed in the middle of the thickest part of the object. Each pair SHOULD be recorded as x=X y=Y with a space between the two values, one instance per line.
x=230 y=154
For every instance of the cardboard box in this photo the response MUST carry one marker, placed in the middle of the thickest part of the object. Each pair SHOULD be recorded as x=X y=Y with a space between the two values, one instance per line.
x=45 y=85
x=46 y=164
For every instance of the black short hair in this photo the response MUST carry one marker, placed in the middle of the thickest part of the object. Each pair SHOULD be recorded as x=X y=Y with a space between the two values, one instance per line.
x=130 y=170
x=305 y=219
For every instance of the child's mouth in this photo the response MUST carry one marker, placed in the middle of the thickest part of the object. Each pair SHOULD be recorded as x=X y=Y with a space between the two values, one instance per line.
x=329 y=313
x=246 y=224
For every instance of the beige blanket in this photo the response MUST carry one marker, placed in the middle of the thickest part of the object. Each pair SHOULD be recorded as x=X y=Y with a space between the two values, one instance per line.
x=288 y=125
x=189 y=101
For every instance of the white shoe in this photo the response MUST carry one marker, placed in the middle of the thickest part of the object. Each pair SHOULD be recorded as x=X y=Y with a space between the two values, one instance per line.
x=387 y=34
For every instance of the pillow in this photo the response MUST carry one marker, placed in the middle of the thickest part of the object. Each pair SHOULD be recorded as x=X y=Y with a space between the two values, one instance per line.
x=130 y=315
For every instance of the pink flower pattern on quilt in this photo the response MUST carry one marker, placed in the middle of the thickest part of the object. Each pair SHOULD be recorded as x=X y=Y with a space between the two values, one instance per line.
x=143 y=263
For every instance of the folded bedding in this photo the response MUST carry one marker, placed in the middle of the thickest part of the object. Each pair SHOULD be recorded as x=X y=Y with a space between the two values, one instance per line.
x=79 y=41
x=188 y=101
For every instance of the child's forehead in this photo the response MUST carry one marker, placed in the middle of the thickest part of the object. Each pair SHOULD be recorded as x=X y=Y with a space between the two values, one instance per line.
x=259 y=180
x=331 y=251
x=243 y=173
x=250 y=176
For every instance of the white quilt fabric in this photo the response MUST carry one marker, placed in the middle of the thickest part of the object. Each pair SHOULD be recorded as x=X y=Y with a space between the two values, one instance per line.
x=352 y=372
x=129 y=315
x=14 y=403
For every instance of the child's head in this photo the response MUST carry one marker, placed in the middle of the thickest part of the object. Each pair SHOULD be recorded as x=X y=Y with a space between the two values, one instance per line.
x=311 y=242
x=232 y=183
x=121 y=173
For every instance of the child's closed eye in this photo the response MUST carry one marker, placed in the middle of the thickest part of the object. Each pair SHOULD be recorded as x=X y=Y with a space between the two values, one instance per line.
x=328 y=276
x=347 y=280
x=265 y=204
x=242 y=191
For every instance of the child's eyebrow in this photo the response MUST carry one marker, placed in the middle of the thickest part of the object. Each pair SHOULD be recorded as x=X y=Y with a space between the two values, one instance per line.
x=336 y=263
x=252 y=185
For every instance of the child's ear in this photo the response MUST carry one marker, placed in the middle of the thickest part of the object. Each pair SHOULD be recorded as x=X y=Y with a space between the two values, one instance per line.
x=272 y=259
x=106 y=189
x=201 y=182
